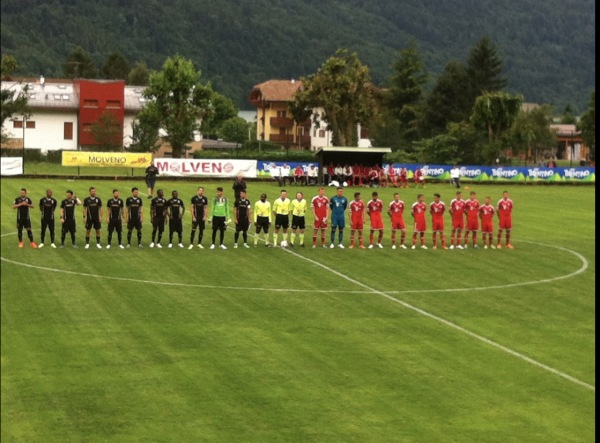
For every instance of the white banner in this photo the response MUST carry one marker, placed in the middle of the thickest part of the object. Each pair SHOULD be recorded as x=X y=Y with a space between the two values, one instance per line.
x=190 y=167
x=12 y=166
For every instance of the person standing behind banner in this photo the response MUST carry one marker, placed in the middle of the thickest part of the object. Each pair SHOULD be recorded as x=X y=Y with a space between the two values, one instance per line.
x=455 y=176
x=67 y=217
x=239 y=185
x=151 y=173
x=47 y=208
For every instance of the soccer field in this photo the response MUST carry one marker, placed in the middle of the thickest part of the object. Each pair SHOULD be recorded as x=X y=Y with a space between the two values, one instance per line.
x=298 y=345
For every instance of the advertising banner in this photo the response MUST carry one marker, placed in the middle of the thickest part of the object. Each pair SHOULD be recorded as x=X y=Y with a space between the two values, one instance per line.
x=277 y=168
x=191 y=167
x=107 y=159
x=12 y=165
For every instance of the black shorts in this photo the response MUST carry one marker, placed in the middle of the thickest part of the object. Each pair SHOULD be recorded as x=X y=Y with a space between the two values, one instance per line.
x=242 y=225
x=159 y=223
x=282 y=221
x=199 y=224
x=262 y=223
x=89 y=223
x=134 y=224
x=175 y=225
x=218 y=222
x=150 y=182
x=24 y=224
x=68 y=226
x=115 y=225
x=298 y=222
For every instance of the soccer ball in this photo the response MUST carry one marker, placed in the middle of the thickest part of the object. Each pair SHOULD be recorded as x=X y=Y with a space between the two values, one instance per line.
x=283 y=244
x=345 y=184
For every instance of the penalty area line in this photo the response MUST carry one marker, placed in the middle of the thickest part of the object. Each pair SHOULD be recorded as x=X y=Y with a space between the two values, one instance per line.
x=450 y=324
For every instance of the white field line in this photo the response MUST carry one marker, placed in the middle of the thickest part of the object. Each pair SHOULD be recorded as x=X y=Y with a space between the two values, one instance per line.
x=450 y=324
x=369 y=290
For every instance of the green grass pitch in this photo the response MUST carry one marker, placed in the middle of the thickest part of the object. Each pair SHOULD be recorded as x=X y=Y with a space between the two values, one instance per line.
x=272 y=345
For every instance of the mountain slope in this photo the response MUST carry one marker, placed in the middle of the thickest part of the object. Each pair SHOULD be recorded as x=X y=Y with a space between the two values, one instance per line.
x=548 y=46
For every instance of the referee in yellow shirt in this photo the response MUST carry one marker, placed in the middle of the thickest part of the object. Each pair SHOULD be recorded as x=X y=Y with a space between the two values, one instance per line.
x=262 y=218
x=298 y=218
x=281 y=209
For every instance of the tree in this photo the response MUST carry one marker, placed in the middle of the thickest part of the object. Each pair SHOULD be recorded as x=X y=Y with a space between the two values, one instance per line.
x=493 y=115
x=177 y=102
x=587 y=125
x=235 y=130
x=531 y=133
x=80 y=64
x=222 y=110
x=404 y=97
x=484 y=67
x=139 y=75
x=144 y=136
x=568 y=117
x=108 y=132
x=448 y=101
x=15 y=98
x=116 y=67
x=342 y=89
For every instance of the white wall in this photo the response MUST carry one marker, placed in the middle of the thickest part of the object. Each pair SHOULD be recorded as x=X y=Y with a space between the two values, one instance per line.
x=48 y=134
x=127 y=130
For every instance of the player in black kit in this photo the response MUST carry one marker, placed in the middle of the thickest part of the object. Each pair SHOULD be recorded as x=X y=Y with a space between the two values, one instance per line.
x=158 y=217
x=242 y=211
x=92 y=216
x=199 y=213
x=67 y=217
x=22 y=204
x=48 y=208
x=135 y=216
x=176 y=211
x=114 y=218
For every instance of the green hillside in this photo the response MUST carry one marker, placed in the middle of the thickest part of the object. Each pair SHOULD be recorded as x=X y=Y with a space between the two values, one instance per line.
x=548 y=46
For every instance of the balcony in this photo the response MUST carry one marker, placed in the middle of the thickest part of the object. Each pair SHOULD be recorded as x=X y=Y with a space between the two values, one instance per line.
x=281 y=138
x=303 y=140
x=281 y=122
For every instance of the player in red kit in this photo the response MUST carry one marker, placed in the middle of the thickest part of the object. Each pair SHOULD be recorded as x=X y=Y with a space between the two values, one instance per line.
x=437 y=208
x=419 y=178
x=457 y=210
x=393 y=176
x=472 y=211
x=418 y=211
x=320 y=210
x=396 y=213
x=505 y=207
x=375 y=211
x=403 y=177
x=357 y=220
x=486 y=214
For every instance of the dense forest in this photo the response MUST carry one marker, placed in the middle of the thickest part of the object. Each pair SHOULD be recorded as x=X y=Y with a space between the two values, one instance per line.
x=548 y=47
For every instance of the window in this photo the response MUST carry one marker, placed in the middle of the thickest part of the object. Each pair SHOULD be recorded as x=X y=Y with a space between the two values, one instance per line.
x=322 y=133
x=17 y=124
x=90 y=103
x=113 y=104
x=68 y=131
x=29 y=124
x=87 y=127
x=281 y=114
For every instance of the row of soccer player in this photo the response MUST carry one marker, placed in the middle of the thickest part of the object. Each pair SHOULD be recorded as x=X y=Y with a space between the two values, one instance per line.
x=324 y=209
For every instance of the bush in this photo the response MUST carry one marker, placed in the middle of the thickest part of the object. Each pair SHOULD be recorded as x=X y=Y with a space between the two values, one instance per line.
x=33 y=155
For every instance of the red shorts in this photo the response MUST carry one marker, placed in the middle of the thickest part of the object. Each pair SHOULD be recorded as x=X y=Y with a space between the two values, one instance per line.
x=398 y=224
x=473 y=225
x=357 y=223
x=420 y=226
x=320 y=224
x=403 y=179
x=487 y=227
x=438 y=225
x=376 y=222
x=458 y=223
x=505 y=223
